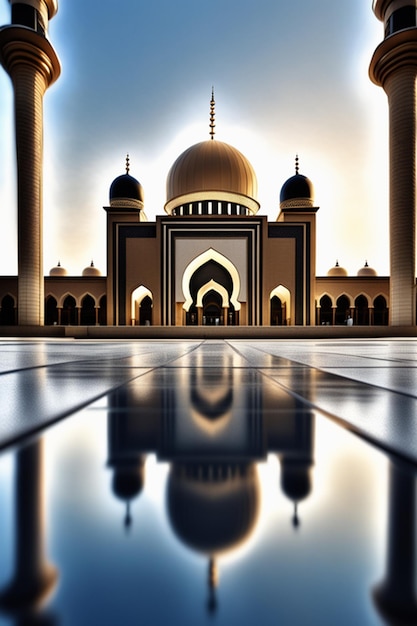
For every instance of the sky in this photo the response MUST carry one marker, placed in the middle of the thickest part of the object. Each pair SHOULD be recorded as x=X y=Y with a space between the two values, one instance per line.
x=289 y=78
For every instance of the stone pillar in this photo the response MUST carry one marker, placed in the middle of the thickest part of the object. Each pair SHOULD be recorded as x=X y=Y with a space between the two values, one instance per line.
x=28 y=57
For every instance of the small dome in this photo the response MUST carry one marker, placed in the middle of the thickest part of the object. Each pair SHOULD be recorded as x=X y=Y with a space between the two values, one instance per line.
x=367 y=271
x=58 y=270
x=337 y=270
x=297 y=191
x=212 y=170
x=126 y=191
x=128 y=482
x=90 y=270
x=296 y=478
x=210 y=514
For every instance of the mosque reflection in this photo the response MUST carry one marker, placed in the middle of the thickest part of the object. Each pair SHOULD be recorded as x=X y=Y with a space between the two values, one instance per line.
x=213 y=426
x=213 y=429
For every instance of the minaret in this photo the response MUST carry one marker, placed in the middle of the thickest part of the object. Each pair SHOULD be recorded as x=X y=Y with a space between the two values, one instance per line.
x=394 y=68
x=29 y=58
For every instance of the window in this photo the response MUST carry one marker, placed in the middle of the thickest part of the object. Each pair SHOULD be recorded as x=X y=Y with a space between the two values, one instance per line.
x=401 y=19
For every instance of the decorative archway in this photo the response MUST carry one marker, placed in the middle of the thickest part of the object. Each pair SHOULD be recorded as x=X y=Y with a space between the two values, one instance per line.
x=141 y=306
x=212 y=303
x=210 y=255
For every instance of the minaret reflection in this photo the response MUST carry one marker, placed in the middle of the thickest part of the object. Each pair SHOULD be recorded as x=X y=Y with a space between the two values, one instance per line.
x=34 y=577
x=213 y=425
x=395 y=597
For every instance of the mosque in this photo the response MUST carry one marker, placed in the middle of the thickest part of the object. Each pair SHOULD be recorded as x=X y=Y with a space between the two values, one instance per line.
x=212 y=258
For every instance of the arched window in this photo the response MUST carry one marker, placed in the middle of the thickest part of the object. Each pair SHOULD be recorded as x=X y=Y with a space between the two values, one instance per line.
x=326 y=311
x=342 y=309
x=69 y=312
x=88 y=311
x=51 y=311
x=362 y=311
x=380 y=311
x=102 y=312
x=7 y=312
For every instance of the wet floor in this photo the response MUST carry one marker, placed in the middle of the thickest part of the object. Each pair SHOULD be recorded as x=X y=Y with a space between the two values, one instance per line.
x=208 y=482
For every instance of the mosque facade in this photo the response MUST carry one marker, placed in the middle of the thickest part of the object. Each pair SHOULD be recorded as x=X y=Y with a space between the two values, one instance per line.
x=211 y=259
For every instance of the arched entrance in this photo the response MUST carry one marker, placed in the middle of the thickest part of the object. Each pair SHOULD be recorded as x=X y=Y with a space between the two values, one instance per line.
x=342 y=309
x=141 y=306
x=51 y=311
x=212 y=309
x=102 y=312
x=361 y=311
x=380 y=311
x=7 y=311
x=280 y=306
x=211 y=291
x=326 y=311
x=88 y=311
x=69 y=314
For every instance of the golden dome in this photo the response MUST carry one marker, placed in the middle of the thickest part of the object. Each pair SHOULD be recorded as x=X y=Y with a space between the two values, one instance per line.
x=367 y=271
x=91 y=270
x=337 y=270
x=58 y=270
x=212 y=171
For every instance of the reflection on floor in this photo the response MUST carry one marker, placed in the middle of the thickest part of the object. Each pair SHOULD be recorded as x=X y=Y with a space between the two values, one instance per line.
x=214 y=412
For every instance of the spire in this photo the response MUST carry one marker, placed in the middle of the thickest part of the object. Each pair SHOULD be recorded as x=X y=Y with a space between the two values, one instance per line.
x=213 y=581
x=127 y=164
x=212 y=114
x=297 y=168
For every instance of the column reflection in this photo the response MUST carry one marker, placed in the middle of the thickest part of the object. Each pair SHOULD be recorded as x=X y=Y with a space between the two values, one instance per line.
x=395 y=596
x=34 y=577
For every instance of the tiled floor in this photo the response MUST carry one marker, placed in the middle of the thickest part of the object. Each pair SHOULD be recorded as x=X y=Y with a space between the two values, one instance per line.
x=370 y=386
x=199 y=482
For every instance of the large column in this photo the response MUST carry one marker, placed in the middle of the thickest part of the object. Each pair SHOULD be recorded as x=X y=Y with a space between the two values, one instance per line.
x=394 y=68
x=30 y=60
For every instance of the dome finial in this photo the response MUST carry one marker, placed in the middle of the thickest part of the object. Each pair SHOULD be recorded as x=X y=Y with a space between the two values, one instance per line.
x=297 y=168
x=212 y=114
x=127 y=163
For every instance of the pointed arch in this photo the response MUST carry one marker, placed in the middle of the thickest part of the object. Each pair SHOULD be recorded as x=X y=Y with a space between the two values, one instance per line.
x=88 y=310
x=283 y=294
x=212 y=285
x=139 y=295
x=280 y=305
x=210 y=255
x=8 y=310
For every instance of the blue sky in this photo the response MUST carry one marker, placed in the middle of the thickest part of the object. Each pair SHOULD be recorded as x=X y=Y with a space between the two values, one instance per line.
x=136 y=78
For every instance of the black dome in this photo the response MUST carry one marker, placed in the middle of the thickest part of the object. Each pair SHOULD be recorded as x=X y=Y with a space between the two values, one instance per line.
x=297 y=187
x=125 y=186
